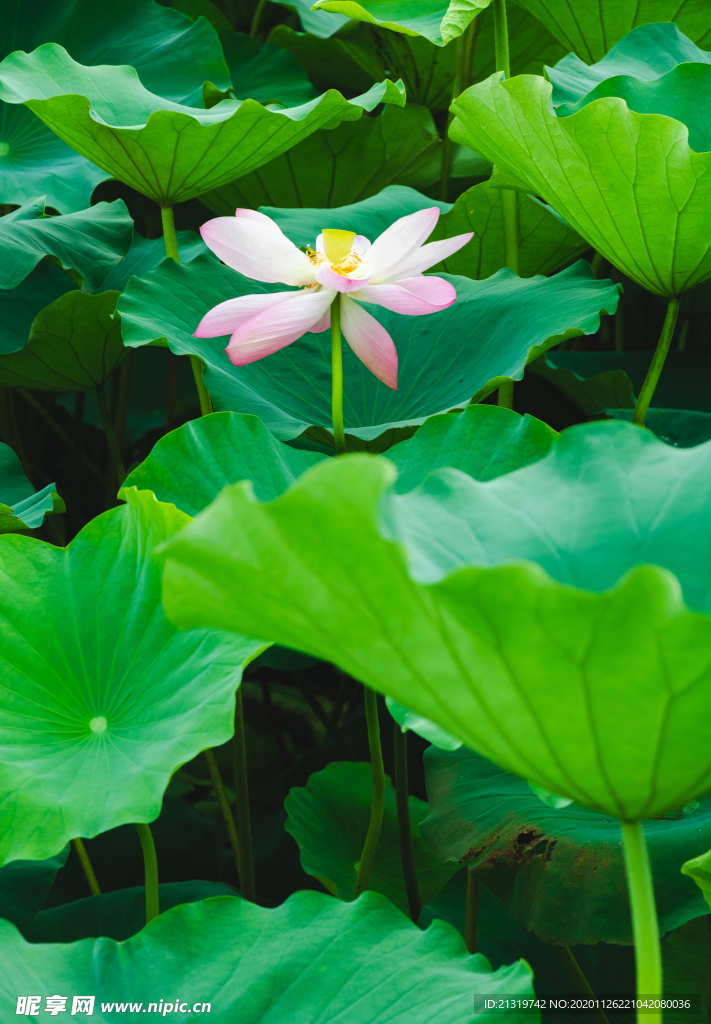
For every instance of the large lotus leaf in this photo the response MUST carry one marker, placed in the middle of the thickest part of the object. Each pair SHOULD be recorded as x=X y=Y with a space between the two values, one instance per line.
x=679 y=427
x=266 y=73
x=652 y=225
x=91 y=241
x=148 y=253
x=116 y=915
x=74 y=344
x=647 y=53
x=682 y=384
x=19 y=306
x=20 y=507
x=591 y=681
x=409 y=720
x=545 y=241
x=685 y=958
x=329 y=818
x=190 y=466
x=486 y=337
x=483 y=441
x=172 y=54
x=25 y=885
x=440 y=21
x=360 y=54
x=311 y=959
x=102 y=698
x=560 y=872
x=168 y=151
x=352 y=162
x=315 y=23
x=592 y=27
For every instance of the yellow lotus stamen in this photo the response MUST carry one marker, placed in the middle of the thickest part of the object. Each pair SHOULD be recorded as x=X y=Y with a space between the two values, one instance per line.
x=317 y=258
x=347 y=264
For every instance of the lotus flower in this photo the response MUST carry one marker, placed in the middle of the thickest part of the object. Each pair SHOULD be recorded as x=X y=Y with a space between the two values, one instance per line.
x=387 y=273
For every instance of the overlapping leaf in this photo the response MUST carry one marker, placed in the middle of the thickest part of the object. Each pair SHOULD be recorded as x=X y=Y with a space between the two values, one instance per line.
x=445 y=358
x=166 y=150
x=21 y=508
x=19 y=306
x=577 y=668
x=652 y=225
x=440 y=21
x=311 y=958
x=102 y=698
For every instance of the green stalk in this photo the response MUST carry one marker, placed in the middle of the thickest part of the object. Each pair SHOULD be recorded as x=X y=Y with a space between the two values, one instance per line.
x=462 y=80
x=150 y=861
x=123 y=396
x=86 y=867
x=471 y=916
x=257 y=18
x=171 y=248
x=59 y=431
x=645 y=928
x=402 y=796
x=244 y=823
x=655 y=369
x=376 y=812
x=339 y=436
x=505 y=396
x=224 y=803
x=580 y=985
x=116 y=467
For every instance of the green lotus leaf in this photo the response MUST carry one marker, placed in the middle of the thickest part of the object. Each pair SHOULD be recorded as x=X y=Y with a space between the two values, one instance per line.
x=645 y=54
x=407 y=719
x=168 y=151
x=266 y=73
x=652 y=226
x=349 y=163
x=329 y=817
x=682 y=384
x=560 y=872
x=25 y=885
x=74 y=344
x=19 y=306
x=173 y=57
x=607 y=967
x=102 y=698
x=359 y=54
x=546 y=242
x=91 y=241
x=592 y=27
x=555 y=653
x=685 y=957
x=440 y=366
x=148 y=253
x=116 y=915
x=190 y=466
x=679 y=427
x=316 y=23
x=440 y=21
x=310 y=959
x=699 y=868
x=20 y=507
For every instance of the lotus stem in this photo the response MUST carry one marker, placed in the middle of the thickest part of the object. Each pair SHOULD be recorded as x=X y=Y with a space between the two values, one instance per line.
x=116 y=466
x=471 y=915
x=224 y=803
x=59 y=431
x=339 y=436
x=257 y=18
x=645 y=928
x=171 y=249
x=244 y=823
x=88 y=870
x=376 y=812
x=403 y=823
x=505 y=395
x=580 y=985
x=464 y=44
x=123 y=396
x=150 y=861
x=660 y=354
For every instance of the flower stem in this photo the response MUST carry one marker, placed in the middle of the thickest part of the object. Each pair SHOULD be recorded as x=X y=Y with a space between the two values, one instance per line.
x=471 y=916
x=403 y=823
x=86 y=866
x=244 y=823
x=501 y=38
x=171 y=249
x=644 y=919
x=339 y=436
x=657 y=364
x=224 y=803
x=376 y=812
x=150 y=861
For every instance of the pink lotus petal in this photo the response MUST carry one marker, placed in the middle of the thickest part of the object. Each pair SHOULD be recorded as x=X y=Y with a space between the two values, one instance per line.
x=415 y=296
x=323 y=324
x=255 y=246
x=361 y=245
x=330 y=279
x=278 y=326
x=425 y=257
x=370 y=342
x=226 y=317
x=399 y=240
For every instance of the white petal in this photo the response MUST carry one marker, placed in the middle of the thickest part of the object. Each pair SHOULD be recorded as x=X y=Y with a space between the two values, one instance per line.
x=227 y=316
x=278 y=326
x=257 y=247
x=425 y=257
x=399 y=240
